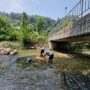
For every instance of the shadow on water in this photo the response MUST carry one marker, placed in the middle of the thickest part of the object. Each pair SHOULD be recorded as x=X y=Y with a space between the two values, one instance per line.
x=77 y=54
x=75 y=81
x=75 y=72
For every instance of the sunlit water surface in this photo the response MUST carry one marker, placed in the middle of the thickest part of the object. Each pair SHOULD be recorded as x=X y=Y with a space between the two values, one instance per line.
x=16 y=73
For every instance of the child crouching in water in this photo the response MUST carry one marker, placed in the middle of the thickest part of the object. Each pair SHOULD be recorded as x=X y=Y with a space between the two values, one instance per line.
x=48 y=53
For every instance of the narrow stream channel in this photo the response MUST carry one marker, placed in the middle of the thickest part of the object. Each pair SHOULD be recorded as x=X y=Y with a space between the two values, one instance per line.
x=63 y=74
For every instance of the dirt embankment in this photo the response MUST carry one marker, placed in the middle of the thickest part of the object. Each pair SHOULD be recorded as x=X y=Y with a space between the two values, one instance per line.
x=63 y=55
x=71 y=54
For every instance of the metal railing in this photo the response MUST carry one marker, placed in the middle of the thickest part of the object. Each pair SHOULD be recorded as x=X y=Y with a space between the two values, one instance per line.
x=77 y=12
x=80 y=8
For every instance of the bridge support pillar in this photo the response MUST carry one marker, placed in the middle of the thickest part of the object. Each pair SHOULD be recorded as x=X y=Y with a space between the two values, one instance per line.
x=63 y=46
x=52 y=45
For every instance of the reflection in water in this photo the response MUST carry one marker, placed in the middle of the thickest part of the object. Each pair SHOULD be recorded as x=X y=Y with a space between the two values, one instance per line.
x=18 y=74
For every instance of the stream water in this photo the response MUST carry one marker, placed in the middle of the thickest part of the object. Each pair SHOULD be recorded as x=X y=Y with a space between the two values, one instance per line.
x=64 y=74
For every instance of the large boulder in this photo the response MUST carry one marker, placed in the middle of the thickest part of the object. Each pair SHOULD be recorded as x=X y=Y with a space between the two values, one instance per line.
x=5 y=51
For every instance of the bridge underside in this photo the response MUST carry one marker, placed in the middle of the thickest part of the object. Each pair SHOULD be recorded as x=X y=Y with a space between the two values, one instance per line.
x=74 y=39
x=78 y=32
x=63 y=44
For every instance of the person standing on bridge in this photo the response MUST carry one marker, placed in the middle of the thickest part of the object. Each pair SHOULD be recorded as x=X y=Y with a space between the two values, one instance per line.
x=48 y=53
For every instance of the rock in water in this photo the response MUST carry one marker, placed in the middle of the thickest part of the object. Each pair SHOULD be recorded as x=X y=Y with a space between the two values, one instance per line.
x=28 y=60
x=14 y=52
x=5 y=51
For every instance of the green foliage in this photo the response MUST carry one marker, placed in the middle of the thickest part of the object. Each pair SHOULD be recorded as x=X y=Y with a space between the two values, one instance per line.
x=24 y=22
x=17 y=17
x=42 y=39
x=4 y=24
x=79 y=45
x=40 y=24
x=26 y=33
x=16 y=23
x=34 y=37
x=5 y=28
x=66 y=24
x=63 y=23
x=30 y=28
x=16 y=35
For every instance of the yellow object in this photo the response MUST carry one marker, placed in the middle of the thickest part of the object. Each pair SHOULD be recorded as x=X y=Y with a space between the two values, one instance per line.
x=39 y=58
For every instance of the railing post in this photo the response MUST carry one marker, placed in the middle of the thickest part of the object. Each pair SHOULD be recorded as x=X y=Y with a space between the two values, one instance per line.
x=82 y=8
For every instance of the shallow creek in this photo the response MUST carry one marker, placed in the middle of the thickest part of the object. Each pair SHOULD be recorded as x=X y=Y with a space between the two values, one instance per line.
x=66 y=72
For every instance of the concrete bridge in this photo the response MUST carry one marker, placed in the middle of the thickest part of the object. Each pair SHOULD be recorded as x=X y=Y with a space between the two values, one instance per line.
x=79 y=31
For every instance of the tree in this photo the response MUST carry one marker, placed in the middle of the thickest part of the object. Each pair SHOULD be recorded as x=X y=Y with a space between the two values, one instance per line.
x=40 y=24
x=30 y=28
x=24 y=23
x=16 y=35
x=5 y=28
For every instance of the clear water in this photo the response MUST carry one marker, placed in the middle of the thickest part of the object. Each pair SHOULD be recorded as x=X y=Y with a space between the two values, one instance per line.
x=17 y=74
